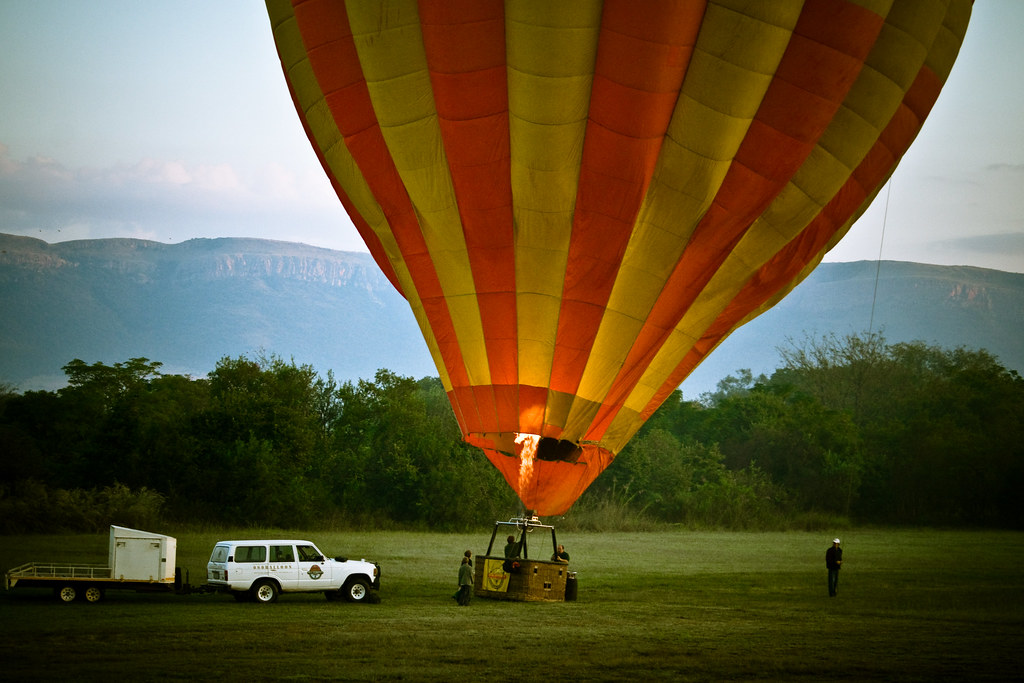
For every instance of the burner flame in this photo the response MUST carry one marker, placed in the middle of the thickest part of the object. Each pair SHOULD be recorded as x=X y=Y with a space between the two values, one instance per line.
x=527 y=452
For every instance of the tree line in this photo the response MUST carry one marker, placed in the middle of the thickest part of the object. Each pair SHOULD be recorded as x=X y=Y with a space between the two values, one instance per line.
x=848 y=430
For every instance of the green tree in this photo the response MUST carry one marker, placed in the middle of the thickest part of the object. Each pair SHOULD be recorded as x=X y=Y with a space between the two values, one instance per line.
x=104 y=384
x=940 y=429
x=262 y=437
x=398 y=454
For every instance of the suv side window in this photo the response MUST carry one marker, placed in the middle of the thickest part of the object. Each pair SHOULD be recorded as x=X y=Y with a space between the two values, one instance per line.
x=251 y=553
x=281 y=553
x=308 y=553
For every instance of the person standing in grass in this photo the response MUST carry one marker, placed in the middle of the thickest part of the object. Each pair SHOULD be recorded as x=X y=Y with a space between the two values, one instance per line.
x=833 y=561
x=465 y=593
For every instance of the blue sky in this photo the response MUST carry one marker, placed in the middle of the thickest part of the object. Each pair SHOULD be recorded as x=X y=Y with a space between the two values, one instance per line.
x=171 y=120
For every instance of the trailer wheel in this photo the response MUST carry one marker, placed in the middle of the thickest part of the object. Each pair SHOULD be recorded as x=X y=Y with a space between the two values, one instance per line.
x=265 y=591
x=356 y=590
x=66 y=593
x=93 y=594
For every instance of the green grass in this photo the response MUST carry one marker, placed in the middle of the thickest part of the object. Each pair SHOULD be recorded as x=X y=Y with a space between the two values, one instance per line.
x=912 y=606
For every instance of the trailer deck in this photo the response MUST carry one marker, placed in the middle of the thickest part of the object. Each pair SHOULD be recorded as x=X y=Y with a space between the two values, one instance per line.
x=137 y=560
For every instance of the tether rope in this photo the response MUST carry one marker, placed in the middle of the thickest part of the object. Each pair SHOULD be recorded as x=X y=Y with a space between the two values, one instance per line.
x=878 y=263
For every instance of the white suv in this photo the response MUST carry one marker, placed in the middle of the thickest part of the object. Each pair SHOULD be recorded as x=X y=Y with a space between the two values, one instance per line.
x=261 y=570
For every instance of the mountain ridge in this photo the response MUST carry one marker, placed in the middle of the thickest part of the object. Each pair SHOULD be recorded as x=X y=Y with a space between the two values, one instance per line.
x=189 y=304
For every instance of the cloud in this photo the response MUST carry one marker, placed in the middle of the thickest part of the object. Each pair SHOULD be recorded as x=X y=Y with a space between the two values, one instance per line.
x=999 y=251
x=169 y=200
x=1003 y=243
x=1012 y=168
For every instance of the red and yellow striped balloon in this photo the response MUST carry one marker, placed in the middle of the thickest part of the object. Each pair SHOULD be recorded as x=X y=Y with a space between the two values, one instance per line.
x=581 y=199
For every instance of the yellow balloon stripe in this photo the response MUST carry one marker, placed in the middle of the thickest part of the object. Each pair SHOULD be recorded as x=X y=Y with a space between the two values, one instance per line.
x=329 y=142
x=551 y=48
x=719 y=97
x=390 y=47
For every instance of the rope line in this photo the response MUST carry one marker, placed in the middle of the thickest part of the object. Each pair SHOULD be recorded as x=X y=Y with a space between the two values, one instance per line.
x=878 y=263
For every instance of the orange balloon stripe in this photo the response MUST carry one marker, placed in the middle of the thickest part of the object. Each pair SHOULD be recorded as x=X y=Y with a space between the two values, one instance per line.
x=369 y=237
x=779 y=272
x=335 y=64
x=465 y=50
x=786 y=127
x=367 y=234
x=623 y=138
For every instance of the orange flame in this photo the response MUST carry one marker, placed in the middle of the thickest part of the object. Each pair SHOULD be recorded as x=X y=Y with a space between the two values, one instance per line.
x=527 y=451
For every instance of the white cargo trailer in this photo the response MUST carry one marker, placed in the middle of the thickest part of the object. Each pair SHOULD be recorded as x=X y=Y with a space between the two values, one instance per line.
x=137 y=560
x=141 y=556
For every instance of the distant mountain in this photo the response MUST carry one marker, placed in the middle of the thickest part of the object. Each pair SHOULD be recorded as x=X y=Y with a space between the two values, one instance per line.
x=188 y=305
x=947 y=306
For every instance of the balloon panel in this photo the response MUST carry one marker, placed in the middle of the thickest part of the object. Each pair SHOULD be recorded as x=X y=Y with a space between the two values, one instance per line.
x=581 y=200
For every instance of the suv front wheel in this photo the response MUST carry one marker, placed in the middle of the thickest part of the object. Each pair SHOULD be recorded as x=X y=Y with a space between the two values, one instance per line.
x=356 y=590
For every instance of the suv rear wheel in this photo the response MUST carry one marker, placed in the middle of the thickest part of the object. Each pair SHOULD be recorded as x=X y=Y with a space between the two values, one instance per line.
x=264 y=591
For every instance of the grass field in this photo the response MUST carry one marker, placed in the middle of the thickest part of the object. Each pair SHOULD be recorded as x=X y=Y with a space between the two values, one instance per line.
x=685 y=606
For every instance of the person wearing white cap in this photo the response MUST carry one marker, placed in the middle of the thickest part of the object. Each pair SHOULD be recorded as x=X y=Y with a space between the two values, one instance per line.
x=833 y=561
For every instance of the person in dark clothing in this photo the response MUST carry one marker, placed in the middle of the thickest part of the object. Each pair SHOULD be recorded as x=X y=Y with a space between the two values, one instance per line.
x=560 y=555
x=465 y=593
x=512 y=550
x=833 y=561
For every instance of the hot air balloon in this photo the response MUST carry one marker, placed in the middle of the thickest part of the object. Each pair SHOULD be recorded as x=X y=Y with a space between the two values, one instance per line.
x=580 y=200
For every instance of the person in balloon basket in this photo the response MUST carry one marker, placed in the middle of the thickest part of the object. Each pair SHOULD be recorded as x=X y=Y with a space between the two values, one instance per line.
x=560 y=555
x=833 y=561
x=512 y=550
x=465 y=593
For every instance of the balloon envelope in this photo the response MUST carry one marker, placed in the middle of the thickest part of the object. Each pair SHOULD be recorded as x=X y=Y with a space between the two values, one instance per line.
x=580 y=200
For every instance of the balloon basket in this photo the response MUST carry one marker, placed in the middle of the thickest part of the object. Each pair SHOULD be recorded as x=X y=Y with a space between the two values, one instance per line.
x=522 y=578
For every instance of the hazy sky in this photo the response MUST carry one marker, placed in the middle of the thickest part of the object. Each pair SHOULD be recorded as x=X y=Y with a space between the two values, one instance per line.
x=171 y=120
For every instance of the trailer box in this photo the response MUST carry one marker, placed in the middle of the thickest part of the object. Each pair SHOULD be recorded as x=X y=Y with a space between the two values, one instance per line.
x=140 y=555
